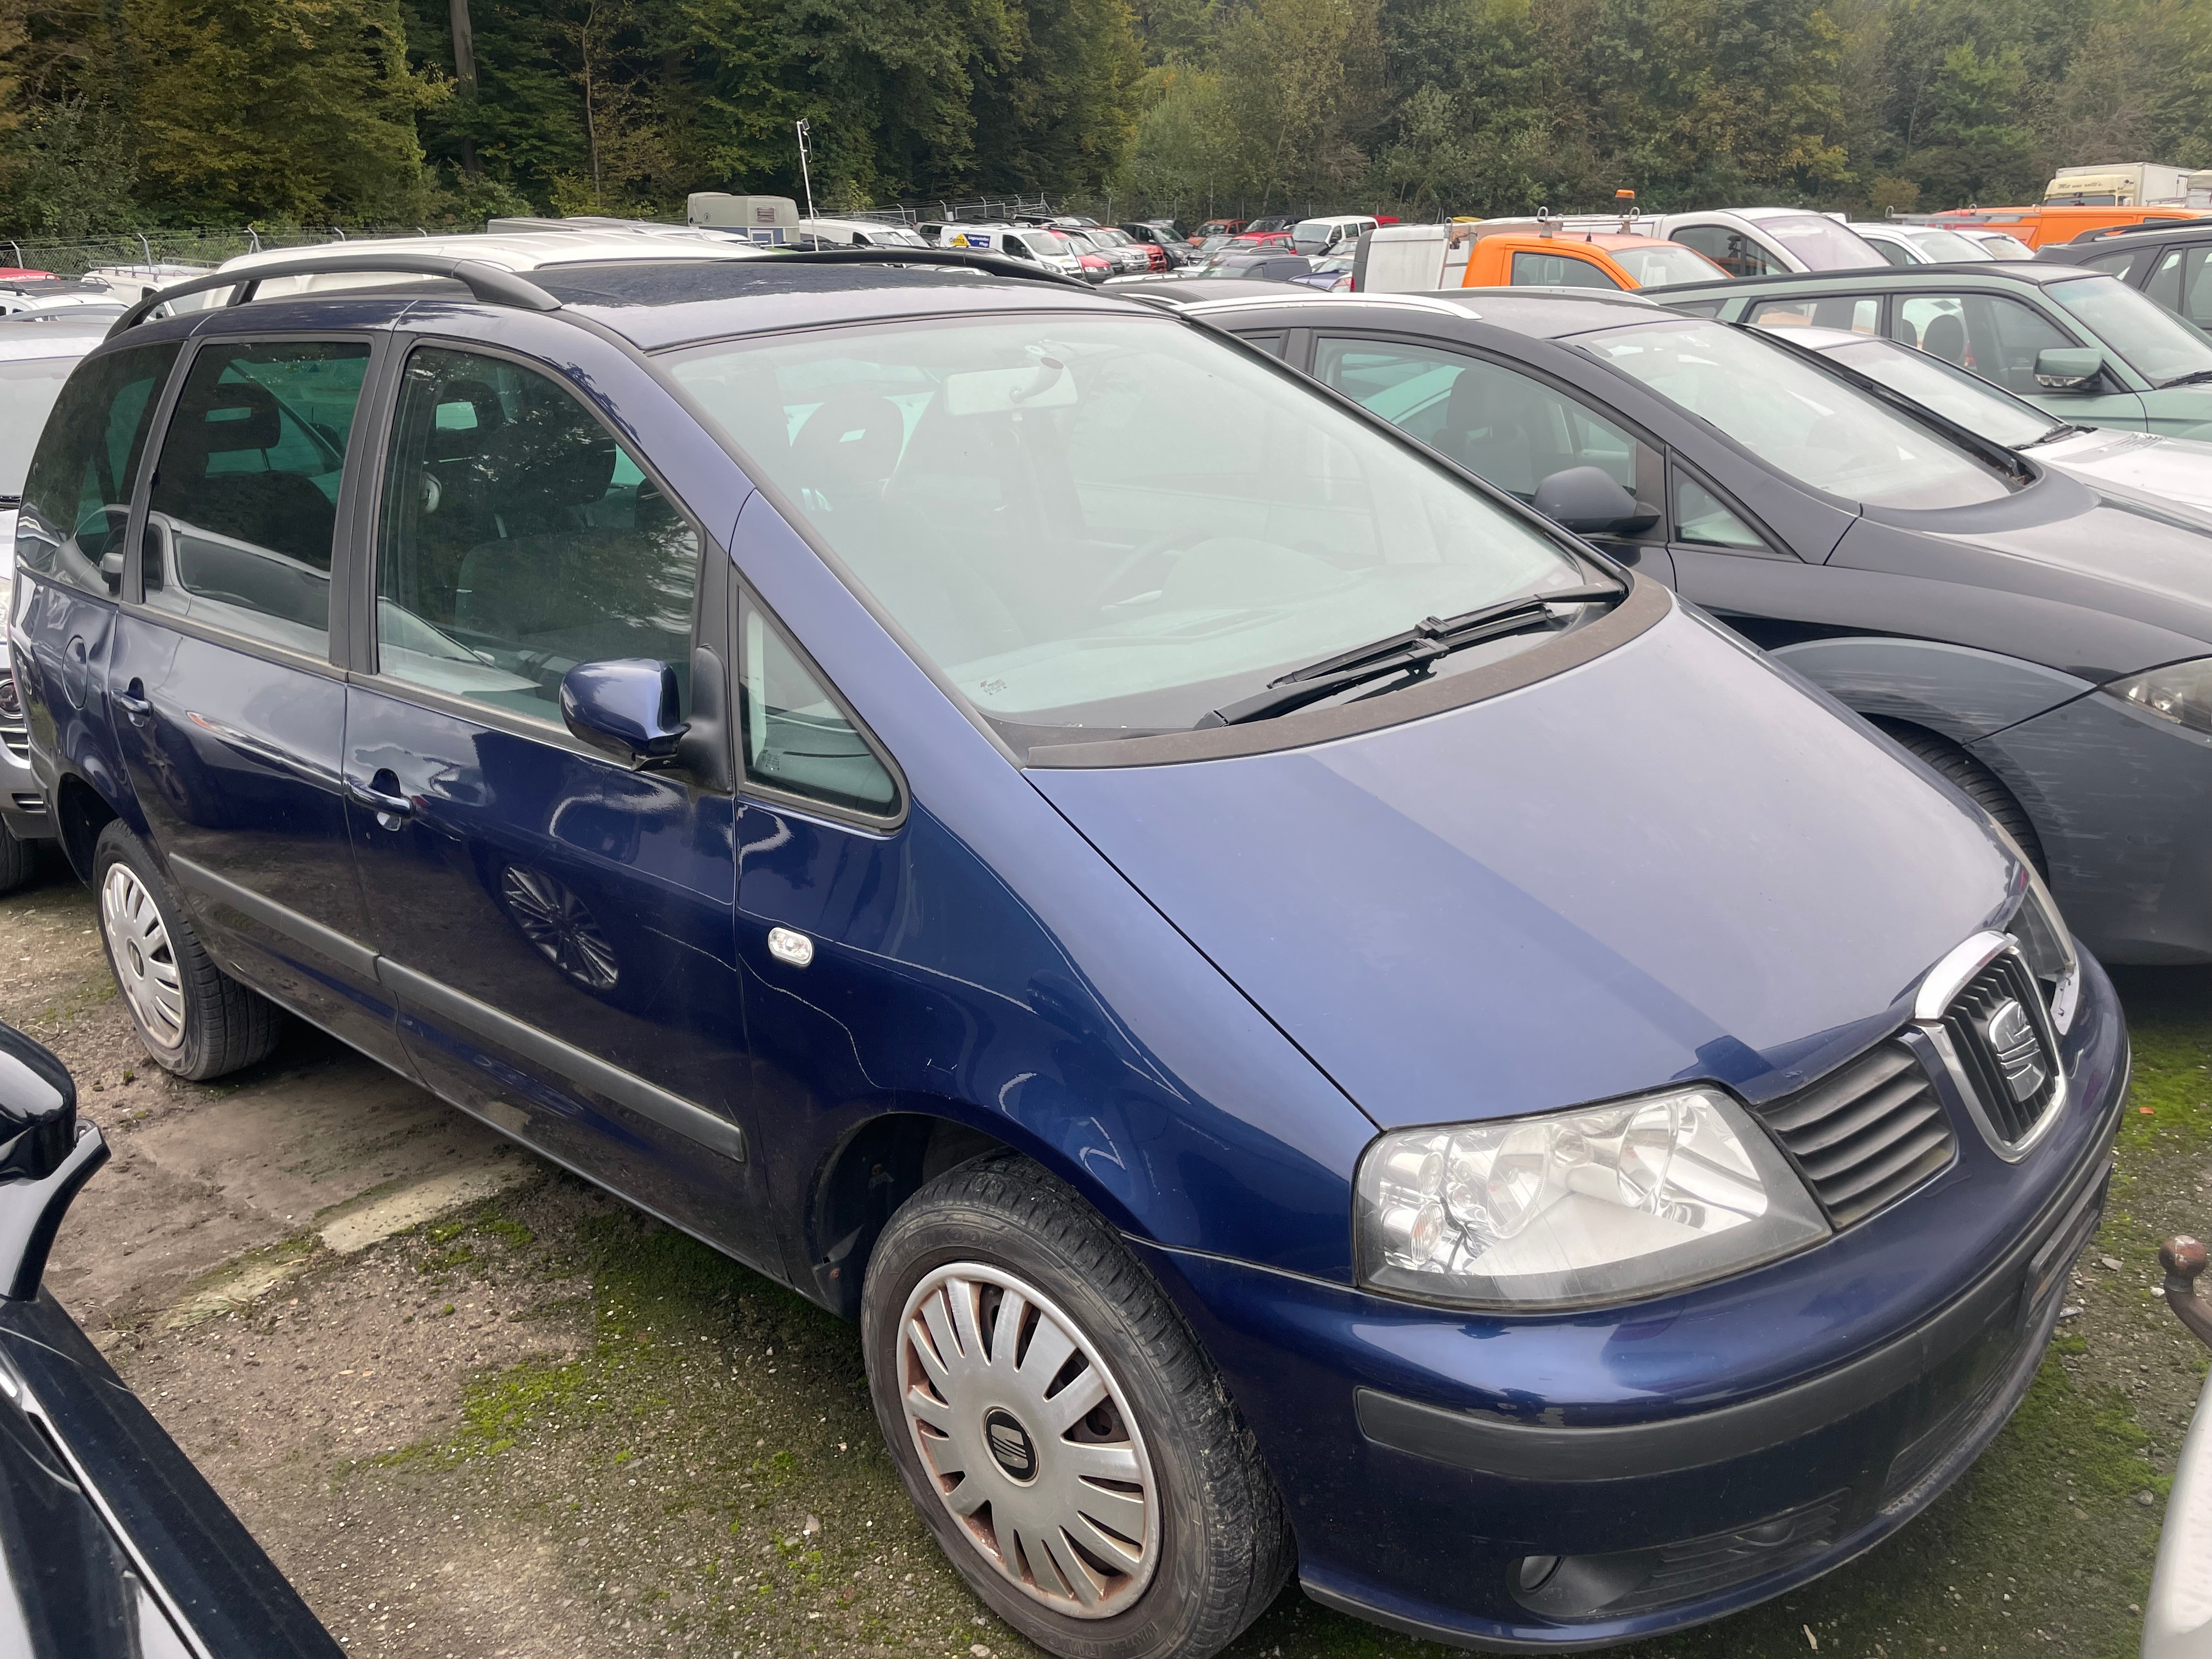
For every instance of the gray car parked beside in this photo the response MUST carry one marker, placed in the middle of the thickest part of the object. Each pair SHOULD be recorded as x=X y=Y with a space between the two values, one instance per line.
x=2043 y=642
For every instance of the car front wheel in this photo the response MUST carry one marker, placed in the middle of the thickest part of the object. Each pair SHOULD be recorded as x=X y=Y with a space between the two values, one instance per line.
x=1058 y=1426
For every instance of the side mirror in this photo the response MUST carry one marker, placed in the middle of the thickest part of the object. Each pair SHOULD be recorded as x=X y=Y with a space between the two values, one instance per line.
x=1584 y=499
x=626 y=709
x=45 y=1155
x=2068 y=368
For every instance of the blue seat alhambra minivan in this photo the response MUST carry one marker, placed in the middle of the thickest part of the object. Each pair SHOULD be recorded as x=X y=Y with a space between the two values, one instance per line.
x=1317 y=1025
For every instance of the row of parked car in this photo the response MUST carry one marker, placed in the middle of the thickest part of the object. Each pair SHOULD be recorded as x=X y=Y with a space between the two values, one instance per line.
x=1477 y=977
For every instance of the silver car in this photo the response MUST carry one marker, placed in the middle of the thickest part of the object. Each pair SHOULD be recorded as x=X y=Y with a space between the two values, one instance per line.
x=35 y=358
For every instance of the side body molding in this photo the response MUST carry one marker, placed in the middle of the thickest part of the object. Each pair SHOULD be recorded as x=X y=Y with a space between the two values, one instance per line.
x=647 y=1099
x=1955 y=689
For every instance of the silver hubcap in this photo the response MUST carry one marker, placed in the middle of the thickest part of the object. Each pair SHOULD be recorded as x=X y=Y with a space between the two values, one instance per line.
x=145 y=961
x=1029 y=1440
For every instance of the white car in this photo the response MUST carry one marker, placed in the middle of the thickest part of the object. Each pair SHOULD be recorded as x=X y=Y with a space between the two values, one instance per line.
x=1336 y=233
x=517 y=251
x=859 y=232
x=1759 y=241
x=1034 y=243
x=2144 y=466
x=1921 y=245
x=2001 y=244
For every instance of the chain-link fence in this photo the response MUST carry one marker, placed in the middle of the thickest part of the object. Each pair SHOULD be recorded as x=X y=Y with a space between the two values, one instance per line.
x=177 y=247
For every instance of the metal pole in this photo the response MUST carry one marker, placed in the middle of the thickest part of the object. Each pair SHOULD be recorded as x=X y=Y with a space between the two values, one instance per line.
x=805 y=177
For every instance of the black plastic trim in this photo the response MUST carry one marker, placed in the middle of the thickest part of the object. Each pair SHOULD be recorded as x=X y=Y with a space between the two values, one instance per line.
x=1525 y=1451
x=486 y=282
x=647 y=1100
x=350 y=954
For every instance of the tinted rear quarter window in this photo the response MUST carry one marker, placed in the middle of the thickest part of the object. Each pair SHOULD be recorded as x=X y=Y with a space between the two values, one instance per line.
x=77 y=496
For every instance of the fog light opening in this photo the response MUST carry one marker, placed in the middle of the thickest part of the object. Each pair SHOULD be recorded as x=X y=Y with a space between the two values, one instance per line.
x=1533 y=1572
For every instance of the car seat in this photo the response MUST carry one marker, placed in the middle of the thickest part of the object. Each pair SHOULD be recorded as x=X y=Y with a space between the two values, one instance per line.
x=1486 y=433
x=283 y=512
x=1945 y=337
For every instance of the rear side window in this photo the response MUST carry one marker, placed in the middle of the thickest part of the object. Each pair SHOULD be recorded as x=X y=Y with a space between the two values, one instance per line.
x=1731 y=250
x=1893 y=252
x=244 y=502
x=798 y=740
x=2182 y=282
x=77 y=496
x=517 y=539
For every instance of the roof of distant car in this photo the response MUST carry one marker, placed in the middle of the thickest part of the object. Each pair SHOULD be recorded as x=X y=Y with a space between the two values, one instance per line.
x=2016 y=271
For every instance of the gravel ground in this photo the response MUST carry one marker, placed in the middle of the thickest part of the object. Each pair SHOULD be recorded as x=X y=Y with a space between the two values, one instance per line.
x=476 y=1408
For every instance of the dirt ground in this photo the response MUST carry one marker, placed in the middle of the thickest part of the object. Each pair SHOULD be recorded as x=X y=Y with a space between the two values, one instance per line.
x=476 y=1409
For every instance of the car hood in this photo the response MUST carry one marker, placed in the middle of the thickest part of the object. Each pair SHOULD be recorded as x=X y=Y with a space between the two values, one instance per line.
x=2141 y=465
x=1672 y=862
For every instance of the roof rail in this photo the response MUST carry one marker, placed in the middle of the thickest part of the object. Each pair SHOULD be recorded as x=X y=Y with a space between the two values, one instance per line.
x=488 y=283
x=991 y=264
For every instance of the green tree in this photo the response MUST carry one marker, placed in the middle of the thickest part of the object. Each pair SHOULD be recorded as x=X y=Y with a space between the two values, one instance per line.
x=1976 y=146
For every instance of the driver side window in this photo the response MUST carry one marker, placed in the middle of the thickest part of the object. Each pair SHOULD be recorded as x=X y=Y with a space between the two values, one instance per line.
x=1499 y=424
x=518 y=539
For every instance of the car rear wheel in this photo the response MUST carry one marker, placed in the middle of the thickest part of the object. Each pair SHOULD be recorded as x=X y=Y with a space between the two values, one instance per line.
x=18 y=861
x=1059 y=1427
x=1978 y=782
x=194 y=1018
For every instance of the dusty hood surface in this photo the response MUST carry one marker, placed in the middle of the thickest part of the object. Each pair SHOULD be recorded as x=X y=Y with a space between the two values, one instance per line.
x=1669 y=863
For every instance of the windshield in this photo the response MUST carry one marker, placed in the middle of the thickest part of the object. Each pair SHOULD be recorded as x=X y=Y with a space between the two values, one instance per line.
x=2154 y=341
x=27 y=391
x=2002 y=245
x=1000 y=488
x=1956 y=393
x=1311 y=235
x=1821 y=243
x=1805 y=423
x=1945 y=247
x=1667 y=262
x=895 y=236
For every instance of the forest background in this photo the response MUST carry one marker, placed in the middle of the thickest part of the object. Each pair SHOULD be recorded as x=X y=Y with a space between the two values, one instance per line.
x=130 y=114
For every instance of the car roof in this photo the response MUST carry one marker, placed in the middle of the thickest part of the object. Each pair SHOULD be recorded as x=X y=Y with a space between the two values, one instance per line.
x=518 y=251
x=1996 y=271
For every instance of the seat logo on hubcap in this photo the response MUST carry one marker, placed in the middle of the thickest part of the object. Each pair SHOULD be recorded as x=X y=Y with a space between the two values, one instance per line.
x=1010 y=1444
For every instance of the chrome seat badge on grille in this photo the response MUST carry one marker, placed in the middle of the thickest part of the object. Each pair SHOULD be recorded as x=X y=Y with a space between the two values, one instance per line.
x=2012 y=1040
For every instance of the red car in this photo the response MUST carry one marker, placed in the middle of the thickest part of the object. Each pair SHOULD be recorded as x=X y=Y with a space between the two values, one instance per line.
x=1251 y=239
x=1216 y=228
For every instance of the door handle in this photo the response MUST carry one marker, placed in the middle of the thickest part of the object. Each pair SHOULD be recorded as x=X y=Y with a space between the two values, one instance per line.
x=388 y=807
x=133 y=702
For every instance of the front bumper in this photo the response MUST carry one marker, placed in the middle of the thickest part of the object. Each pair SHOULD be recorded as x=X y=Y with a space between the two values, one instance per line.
x=1686 y=1457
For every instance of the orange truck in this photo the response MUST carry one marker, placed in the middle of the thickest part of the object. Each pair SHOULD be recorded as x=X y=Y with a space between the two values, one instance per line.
x=1519 y=253
x=2042 y=226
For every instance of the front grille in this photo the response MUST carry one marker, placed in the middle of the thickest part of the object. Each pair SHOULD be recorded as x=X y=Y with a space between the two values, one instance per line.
x=1867 y=1134
x=2001 y=1031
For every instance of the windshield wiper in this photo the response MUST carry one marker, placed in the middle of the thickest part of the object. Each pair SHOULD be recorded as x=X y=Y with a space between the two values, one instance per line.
x=1413 y=653
x=2053 y=436
x=2198 y=377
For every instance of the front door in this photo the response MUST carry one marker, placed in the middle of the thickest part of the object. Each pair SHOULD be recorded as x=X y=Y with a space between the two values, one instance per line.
x=558 y=929
x=228 y=711
x=1999 y=339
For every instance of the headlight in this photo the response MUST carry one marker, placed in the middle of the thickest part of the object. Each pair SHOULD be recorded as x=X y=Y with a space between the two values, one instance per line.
x=2180 y=692
x=2048 y=946
x=1602 y=1204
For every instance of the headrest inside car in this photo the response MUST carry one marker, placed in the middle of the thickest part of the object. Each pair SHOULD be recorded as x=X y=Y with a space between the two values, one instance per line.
x=239 y=418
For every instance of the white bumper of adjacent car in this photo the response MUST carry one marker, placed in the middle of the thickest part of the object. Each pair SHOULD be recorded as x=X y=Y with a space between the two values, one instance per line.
x=2178 y=1616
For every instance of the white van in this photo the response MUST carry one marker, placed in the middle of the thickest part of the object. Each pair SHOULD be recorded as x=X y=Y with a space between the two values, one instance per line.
x=1336 y=233
x=856 y=233
x=1043 y=246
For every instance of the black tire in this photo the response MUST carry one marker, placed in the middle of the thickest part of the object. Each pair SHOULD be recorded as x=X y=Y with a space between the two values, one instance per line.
x=1222 y=1545
x=19 y=860
x=226 y=1026
x=1980 y=785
